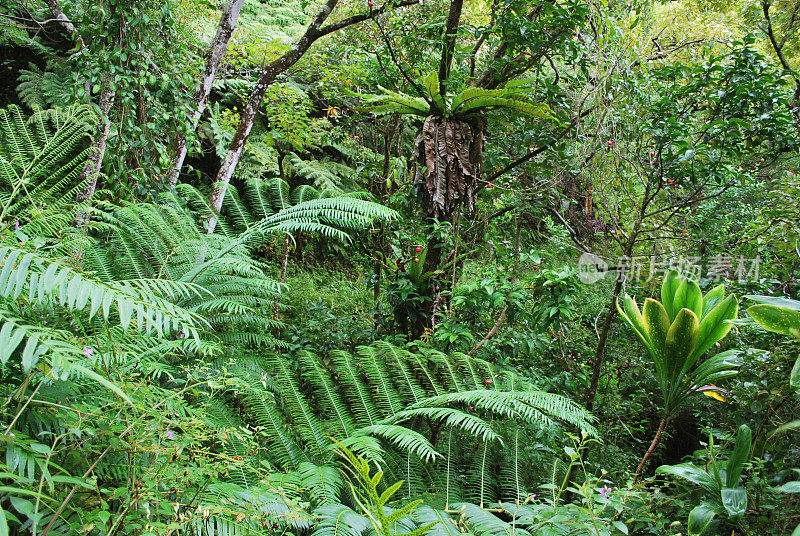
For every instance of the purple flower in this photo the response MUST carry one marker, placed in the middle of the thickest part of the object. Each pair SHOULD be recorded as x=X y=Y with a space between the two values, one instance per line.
x=604 y=491
x=87 y=351
x=533 y=496
x=16 y=225
x=170 y=435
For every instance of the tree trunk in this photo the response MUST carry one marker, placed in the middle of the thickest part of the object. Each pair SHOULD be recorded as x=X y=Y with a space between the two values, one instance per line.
x=448 y=47
x=91 y=169
x=219 y=45
x=284 y=266
x=599 y=354
x=653 y=445
x=314 y=31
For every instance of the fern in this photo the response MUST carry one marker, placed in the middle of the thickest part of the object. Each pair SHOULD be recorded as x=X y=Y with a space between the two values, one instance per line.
x=41 y=158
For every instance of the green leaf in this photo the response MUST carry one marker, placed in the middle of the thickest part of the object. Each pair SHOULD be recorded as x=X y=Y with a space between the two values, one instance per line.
x=688 y=296
x=680 y=342
x=691 y=473
x=622 y=527
x=668 y=289
x=431 y=83
x=734 y=500
x=388 y=492
x=403 y=512
x=782 y=429
x=711 y=299
x=102 y=381
x=700 y=518
x=741 y=452
x=714 y=327
x=794 y=377
x=790 y=487
x=658 y=324
x=3 y=523
x=776 y=319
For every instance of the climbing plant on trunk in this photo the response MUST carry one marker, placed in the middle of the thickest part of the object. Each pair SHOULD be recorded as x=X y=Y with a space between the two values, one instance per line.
x=448 y=151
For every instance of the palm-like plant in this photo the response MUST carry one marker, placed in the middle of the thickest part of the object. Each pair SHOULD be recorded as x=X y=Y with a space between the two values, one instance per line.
x=448 y=151
x=676 y=332
x=449 y=146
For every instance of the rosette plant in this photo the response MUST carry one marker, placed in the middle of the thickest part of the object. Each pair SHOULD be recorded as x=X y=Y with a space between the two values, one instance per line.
x=677 y=331
x=720 y=481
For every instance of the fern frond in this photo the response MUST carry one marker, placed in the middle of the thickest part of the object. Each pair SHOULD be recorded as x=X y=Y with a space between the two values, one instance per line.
x=405 y=439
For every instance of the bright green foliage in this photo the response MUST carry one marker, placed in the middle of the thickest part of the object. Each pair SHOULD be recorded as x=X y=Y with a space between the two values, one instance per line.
x=330 y=217
x=719 y=480
x=373 y=502
x=41 y=158
x=780 y=315
x=678 y=330
x=472 y=101
x=385 y=403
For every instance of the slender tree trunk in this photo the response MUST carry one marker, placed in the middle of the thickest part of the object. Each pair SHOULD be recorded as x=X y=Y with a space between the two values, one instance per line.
x=91 y=169
x=284 y=266
x=381 y=191
x=653 y=445
x=64 y=22
x=448 y=47
x=219 y=45
x=314 y=31
x=599 y=353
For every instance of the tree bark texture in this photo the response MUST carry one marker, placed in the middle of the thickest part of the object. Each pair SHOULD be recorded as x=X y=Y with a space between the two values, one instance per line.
x=214 y=55
x=91 y=170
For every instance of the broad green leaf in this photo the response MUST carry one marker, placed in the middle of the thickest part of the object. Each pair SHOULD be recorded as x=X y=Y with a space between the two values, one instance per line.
x=31 y=353
x=776 y=319
x=680 y=342
x=688 y=296
x=709 y=370
x=630 y=312
x=713 y=327
x=712 y=298
x=734 y=500
x=657 y=323
x=790 y=487
x=668 y=289
x=691 y=473
x=3 y=523
x=431 y=83
x=700 y=519
x=794 y=377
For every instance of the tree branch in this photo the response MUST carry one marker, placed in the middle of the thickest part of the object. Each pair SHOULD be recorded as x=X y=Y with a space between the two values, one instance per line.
x=542 y=149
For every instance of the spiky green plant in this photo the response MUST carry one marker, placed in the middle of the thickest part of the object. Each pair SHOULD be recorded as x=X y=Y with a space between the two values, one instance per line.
x=678 y=331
